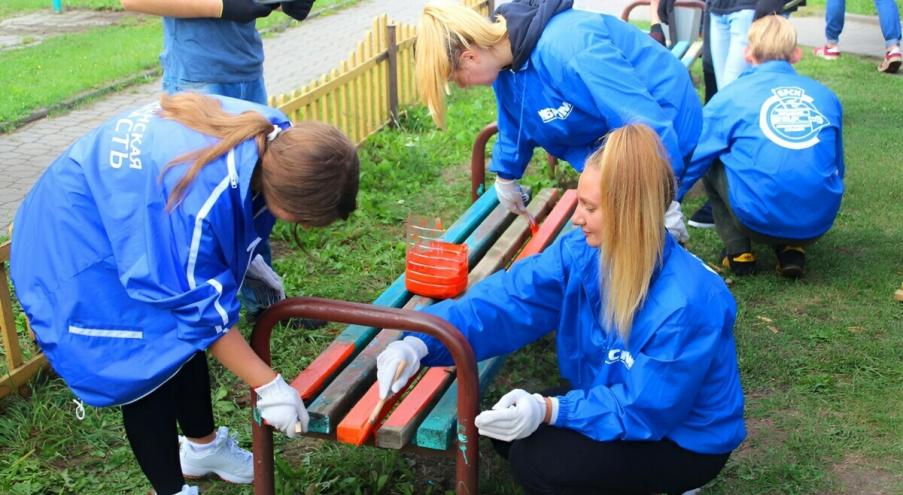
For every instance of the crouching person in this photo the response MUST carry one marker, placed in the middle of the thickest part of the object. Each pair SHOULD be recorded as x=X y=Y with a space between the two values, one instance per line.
x=644 y=337
x=128 y=255
x=772 y=153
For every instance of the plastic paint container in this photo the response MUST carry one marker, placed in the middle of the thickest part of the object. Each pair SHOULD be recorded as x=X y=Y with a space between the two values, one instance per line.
x=433 y=268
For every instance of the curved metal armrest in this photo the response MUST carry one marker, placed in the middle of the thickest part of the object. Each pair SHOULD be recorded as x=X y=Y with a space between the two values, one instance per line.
x=478 y=159
x=693 y=4
x=379 y=317
x=625 y=14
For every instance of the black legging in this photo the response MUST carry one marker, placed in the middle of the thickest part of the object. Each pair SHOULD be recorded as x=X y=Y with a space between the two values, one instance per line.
x=563 y=461
x=150 y=423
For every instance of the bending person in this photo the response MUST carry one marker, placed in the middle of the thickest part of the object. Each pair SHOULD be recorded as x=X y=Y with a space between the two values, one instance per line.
x=562 y=79
x=644 y=336
x=145 y=229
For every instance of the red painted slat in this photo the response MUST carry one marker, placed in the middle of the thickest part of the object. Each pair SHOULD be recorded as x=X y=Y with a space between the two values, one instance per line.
x=309 y=382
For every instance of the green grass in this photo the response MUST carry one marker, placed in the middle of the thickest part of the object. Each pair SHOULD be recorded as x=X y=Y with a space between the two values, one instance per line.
x=10 y=8
x=49 y=73
x=820 y=357
x=864 y=7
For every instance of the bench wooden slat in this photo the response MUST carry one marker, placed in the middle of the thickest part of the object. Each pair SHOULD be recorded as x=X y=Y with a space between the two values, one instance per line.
x=692 y=53
x=436 y=430
x=313 y=378
x=403 y=423
x=351 y=383
x=355 y=427
x=680 y=48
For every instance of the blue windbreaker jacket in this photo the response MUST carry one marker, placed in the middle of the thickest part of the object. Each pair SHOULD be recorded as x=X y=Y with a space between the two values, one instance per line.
x=120 y=293
x=779 y=136
x=591 y=73
x=676 y=377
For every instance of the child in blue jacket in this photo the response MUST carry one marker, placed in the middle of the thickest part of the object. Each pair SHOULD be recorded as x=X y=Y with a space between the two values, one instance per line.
x=562 y=79
x=129 y=252
x=644 y=338
x=771 y=153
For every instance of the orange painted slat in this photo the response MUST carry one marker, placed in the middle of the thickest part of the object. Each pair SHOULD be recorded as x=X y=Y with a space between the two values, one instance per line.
x=311 y=380
x=552 y=224
x=356 y=428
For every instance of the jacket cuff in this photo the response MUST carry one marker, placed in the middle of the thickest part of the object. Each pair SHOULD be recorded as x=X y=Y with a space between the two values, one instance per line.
x=563 y=408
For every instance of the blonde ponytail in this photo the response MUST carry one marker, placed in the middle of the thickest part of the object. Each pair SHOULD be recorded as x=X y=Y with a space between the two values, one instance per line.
x=445 y=30
x=637 y=185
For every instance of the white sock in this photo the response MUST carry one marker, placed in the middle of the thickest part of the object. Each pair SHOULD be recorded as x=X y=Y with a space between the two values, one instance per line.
x=202 y=447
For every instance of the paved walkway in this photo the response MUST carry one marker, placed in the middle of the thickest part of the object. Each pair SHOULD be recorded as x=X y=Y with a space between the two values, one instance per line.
x=295 y=57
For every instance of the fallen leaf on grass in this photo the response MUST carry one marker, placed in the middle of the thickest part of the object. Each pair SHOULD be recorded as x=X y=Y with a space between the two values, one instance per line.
x=765 y=319
x=774 y=329
x=856 y=329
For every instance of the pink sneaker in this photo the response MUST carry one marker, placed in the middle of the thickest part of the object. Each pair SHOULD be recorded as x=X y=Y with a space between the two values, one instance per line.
x=827 y=52
x=892 y=60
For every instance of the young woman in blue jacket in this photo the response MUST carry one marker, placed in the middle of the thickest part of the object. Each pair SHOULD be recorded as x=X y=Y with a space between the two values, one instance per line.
x=644 y=338
x=129 y=252
x=562 y=79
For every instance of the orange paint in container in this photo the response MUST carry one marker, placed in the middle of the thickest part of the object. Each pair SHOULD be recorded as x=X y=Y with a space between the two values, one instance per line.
x=433 y=268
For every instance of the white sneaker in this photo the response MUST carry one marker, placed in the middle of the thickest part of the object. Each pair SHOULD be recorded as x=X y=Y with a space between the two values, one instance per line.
x=223 y=458
x=186 y=490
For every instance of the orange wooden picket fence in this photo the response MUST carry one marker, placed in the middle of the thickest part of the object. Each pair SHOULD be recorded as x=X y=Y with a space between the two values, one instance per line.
x=366 y=90
x=18 y=369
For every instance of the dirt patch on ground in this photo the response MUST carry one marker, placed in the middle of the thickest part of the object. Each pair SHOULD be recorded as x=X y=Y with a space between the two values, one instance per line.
x=31 y=29
x=856 y=474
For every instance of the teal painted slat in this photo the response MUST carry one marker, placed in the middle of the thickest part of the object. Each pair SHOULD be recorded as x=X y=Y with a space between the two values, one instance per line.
x=436 y=430
x=680 y=48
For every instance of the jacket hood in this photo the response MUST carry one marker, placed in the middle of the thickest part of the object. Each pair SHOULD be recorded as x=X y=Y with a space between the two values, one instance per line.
x=526 y=20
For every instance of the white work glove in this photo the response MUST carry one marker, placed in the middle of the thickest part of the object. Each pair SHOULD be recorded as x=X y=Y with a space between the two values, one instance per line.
x=674 y=222
x=411 y=350
x=511 y=195
x=281 y=406
x=265 y=283
x=516 y=415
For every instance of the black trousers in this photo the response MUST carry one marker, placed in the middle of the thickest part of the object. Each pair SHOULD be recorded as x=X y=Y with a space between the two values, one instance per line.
x=150 y=423
x=562 y=461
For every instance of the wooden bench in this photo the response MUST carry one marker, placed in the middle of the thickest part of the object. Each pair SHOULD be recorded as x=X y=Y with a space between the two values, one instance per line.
x=684 y=28
x=436 y=410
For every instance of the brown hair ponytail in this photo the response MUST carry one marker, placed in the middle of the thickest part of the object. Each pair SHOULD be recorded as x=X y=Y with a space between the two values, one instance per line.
x=308 y=172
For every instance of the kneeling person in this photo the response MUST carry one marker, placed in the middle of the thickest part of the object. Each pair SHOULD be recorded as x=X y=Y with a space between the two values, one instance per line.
x=645 y=338
x=772 y=153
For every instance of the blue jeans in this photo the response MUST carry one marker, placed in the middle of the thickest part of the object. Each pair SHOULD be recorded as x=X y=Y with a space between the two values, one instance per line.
x=888 y=18
x=254 y=91
x=728 y=40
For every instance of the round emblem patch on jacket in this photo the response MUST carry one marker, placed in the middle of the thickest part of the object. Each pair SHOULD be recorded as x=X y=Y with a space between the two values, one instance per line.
x=790 y=119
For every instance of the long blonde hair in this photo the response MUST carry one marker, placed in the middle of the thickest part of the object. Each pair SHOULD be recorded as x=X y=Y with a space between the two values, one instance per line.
x=310 y=171
x=637 y=186
x=446 y=29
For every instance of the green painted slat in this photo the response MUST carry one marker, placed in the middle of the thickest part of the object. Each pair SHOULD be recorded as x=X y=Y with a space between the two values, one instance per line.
x=436 y=431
